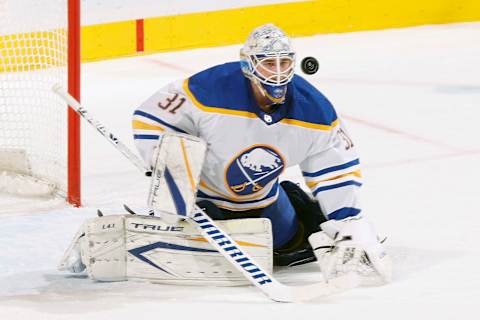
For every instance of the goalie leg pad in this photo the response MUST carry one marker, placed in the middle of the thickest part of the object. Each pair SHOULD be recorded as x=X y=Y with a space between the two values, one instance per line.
x=99 y=248
x=150 y=249
x=103 y=248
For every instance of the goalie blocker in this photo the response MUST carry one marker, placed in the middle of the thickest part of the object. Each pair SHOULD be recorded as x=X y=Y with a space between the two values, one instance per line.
x=126 y=247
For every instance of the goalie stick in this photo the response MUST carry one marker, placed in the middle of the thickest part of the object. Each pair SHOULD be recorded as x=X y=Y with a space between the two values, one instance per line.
x=222 y=241
x=75 y=105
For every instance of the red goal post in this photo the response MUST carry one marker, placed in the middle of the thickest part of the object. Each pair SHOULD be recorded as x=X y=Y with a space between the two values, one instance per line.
x=74 y=62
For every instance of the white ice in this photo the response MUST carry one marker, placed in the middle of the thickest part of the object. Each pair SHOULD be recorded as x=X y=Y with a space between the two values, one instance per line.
x=411 y=100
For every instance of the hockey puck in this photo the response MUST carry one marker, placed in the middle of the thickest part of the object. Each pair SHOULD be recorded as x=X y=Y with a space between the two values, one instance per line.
x=309 y=65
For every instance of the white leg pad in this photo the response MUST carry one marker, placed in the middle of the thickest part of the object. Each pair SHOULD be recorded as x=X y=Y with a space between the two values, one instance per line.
x=103 y=249
x=125 y=247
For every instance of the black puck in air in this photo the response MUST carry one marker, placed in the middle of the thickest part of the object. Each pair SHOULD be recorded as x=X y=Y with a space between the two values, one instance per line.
x=309 y=65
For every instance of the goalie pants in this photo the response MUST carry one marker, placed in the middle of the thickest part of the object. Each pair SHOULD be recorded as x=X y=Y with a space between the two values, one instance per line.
x=294 y=216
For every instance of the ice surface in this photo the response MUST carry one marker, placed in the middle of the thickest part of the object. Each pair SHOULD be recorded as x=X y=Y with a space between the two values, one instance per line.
x=411 y=100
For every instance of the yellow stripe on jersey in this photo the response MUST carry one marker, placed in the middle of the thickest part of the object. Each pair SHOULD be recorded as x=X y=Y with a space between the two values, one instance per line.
x=245 y=209
x=240 y=198
x=136 y=124
x=215 y=109
x=310 y=125
x=293 y=122
x=313 y=184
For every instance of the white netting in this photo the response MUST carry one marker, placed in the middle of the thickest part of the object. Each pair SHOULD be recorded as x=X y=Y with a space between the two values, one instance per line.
x=33 y=120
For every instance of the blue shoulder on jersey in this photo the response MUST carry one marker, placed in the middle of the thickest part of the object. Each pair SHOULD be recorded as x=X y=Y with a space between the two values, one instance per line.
x=225 y=86
x=308 y=104
x=222 y=86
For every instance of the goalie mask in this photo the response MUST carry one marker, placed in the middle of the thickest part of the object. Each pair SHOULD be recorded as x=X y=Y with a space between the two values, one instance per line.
x=267 y=59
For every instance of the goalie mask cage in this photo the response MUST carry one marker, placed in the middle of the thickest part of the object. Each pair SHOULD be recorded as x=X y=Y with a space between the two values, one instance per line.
x=39 y=134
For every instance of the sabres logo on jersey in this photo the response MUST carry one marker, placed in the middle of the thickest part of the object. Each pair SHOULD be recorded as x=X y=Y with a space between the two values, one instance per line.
x=253 y=169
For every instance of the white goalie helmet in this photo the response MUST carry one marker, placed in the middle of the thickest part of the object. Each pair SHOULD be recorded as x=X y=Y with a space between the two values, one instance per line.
x=267 y=58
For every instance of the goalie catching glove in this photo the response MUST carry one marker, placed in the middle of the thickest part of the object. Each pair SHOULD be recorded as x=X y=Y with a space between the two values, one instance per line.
x=351 y=245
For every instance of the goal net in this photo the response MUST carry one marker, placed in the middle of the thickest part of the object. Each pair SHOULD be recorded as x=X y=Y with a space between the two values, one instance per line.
x=34 y=121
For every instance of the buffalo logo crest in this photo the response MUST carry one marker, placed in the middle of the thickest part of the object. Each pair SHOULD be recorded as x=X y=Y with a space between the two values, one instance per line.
x=253 y=169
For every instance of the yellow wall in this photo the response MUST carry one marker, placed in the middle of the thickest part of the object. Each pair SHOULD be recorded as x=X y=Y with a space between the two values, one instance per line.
x=215 y=28
x=109 y=40
x=297 y=19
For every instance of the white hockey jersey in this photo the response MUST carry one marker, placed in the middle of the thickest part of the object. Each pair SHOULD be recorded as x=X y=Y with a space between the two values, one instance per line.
x=247 y=148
